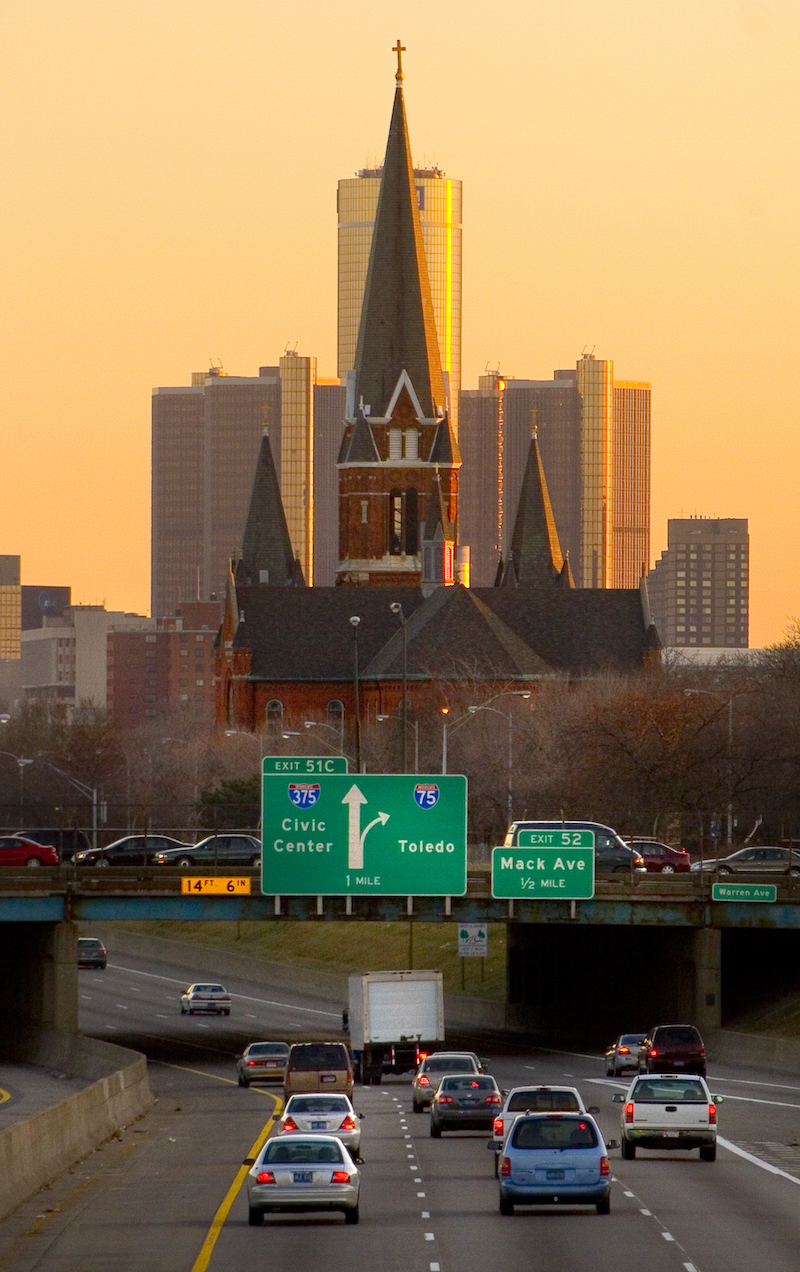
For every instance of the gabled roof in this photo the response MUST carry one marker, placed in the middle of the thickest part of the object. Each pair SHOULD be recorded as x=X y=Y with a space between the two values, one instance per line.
x=267 y=556
x=397 y=331
x=358 y=444
x=535 y=559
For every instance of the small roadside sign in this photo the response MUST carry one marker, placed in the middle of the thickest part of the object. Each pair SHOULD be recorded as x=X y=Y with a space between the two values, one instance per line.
x=744 y=892
x=215 y=884
x=561 y=868
x=305 y=765
x=473 y=940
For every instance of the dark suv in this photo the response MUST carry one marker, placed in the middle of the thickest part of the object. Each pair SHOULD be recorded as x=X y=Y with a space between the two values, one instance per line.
x=611 y=854
x=66 y=841
x=673 y=1049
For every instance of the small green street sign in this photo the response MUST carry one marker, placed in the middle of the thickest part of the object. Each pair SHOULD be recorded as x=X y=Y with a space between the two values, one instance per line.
x=564 y=872
x=473 y=940
x=367 y=834
x=744 y=892
x=304 y=764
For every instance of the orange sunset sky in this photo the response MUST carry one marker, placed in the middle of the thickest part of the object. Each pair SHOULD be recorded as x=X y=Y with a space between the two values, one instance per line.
x=631 y=186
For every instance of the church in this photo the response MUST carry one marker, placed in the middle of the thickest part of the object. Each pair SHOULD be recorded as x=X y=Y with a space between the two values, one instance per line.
x=402 y=618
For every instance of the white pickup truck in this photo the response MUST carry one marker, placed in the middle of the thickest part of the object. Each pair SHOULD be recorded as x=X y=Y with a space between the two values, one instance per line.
x=533 y=1099
x=668 y=1110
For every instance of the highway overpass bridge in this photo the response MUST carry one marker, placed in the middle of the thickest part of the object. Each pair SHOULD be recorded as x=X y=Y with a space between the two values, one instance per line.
x=641 y=950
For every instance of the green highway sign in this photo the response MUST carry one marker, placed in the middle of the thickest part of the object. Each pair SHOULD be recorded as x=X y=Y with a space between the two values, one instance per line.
x=744 y=892
x=305 y=764
x=554 y=870
x=556 y=839
x=367 y=834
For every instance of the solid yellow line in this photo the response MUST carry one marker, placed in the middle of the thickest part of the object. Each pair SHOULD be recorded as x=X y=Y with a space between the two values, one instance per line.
x=202 y=1260
x=4 y=1095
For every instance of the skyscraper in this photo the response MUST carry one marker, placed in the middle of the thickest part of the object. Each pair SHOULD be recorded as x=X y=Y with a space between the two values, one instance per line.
x=699 y=586
x=439 y=205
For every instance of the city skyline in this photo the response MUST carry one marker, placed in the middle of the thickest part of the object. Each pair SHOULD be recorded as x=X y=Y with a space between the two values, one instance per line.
x=626 y=189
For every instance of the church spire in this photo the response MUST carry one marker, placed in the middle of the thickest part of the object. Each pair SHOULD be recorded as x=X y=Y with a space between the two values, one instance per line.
x=397 y=332
x=535 y=559
x=267 y=556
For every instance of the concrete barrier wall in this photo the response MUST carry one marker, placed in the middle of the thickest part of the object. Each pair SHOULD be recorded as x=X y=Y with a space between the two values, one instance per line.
x=752 y=1051
x=34 y=1151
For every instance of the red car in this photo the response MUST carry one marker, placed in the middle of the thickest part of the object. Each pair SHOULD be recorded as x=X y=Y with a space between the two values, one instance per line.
x=18 y=851
x=660 y=858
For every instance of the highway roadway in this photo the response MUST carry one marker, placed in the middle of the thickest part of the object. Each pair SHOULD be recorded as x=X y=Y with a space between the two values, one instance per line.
x=167 y=1195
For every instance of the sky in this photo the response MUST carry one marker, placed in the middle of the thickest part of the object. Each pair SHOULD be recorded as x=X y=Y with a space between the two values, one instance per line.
x=631 y=187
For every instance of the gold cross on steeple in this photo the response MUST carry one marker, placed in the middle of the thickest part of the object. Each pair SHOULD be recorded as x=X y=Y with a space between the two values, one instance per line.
x=399 y=49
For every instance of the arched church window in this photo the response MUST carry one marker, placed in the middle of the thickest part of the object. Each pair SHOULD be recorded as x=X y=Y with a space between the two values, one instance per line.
x=412 y=522
x=395 y=522
x=275 y=716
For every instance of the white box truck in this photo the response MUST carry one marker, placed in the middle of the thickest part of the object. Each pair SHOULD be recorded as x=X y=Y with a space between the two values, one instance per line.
x=395 y=1018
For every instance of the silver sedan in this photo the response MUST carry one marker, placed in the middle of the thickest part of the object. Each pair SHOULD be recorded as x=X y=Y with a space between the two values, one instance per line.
x=300 y=1173
x=332 y=1114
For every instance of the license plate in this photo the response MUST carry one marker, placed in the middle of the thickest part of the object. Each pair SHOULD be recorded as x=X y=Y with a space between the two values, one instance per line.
x=303 y=1176
x=555 y=1174
x=671 y=1134
x=272 y=1064
x=679 y=1063
x=318 y=1126
x=328 y=1077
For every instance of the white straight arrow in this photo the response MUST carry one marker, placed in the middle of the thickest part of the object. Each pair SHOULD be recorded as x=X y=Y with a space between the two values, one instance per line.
x=355 y=837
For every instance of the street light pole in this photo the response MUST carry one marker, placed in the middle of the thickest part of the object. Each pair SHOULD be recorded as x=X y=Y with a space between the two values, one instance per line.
x=89 y=791
x=355 y=620
x=397 y=608
x=21 y=762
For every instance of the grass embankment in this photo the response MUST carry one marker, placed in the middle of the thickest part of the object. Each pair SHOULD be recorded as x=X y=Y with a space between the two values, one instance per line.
x=349 y=947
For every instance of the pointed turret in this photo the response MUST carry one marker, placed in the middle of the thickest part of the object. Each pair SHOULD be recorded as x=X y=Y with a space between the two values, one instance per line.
x=535 y=559
x=267 y=556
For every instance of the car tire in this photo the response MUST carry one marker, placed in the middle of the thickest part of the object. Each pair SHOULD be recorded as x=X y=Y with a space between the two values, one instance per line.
x=506 y=1205
x=664 y=870
x=102 y=863
x=436 y=1131
x=794 y=874
x=351 y=1216
x=708 y=1153
x=628 y=1150
x=603 y=1206
x=416 y=1106
x=255 y=1216
x=33 y=861
x=255 y=862
x=183 y=863
x=724 y=870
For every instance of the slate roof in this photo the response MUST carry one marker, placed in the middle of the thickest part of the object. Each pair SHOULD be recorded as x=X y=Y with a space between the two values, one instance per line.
x=517 y=633
x=397 y=331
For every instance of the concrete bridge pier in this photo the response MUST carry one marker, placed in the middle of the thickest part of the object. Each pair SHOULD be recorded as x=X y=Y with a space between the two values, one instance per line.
x=567 y=982
x=39 y=984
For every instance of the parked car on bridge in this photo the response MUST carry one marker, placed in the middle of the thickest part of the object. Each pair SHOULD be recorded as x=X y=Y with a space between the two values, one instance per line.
x=131 y=850
x=65 y=840
x=757 y=861
x=661 y=858
x=228 y=849
x=15 y=850
x=611 y=854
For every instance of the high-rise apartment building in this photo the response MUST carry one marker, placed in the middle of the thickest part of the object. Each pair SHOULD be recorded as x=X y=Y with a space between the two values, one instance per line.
x=205 y=443
x=596 y=388
x=10 y=607
x=439 y=203
x=630 y=468
x=699 y=586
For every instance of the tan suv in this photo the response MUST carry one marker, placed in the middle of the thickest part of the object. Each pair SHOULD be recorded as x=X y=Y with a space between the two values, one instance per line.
x=318 y=1066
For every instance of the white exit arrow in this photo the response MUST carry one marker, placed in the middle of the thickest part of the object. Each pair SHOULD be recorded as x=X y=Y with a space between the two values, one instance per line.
x=355 y=836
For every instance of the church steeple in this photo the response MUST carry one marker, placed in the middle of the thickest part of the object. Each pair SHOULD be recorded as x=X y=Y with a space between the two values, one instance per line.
x=398 y=434
x=267 y=556
x=535 y=559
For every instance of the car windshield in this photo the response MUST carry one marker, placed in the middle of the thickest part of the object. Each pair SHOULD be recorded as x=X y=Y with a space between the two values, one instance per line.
x=677 y=1033
x=317 y=1104
x=267 y=1049
x=88 y=943
x=558 y=1101
x=468 y=1086
x=554 y=1132
x=456 y=1064
x=293 y=1152
x=208 y=989
x=669 y=1091
x=307 y=1059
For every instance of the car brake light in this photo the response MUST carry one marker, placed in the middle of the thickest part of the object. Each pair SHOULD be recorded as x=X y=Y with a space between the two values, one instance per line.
x=498 y=1126
x=605 y=1168
x=265 y=1177
x=340 y=1177
x=623 y=1051
x=639 y=861
x=422 y=1055
x=493 y=1099
x=423 y=1081
x=505 y=1167
x=348 y=1124
x=349 y=1075
x=629 y=1112
x=712 y=1114
x=289 y=1124
x=446 y=1099
x=251 y=1061
x=652 y=1052
x=702 y=1051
